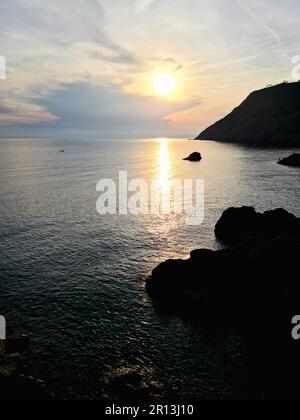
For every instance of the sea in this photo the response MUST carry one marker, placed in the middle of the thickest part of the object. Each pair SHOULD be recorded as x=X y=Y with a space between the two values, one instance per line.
x=74 y=280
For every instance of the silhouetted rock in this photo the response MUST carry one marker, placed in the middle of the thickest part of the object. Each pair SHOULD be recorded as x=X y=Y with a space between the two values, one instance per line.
x=133 y=384
x=255 y=238
x=240 y=224
x=20 y=344
x=236 y=224
x=253 y=287
x=16 y=384
x=277 y=223
x=293 y=160
x=268 y=117
x=194 y=288
x=194 y=157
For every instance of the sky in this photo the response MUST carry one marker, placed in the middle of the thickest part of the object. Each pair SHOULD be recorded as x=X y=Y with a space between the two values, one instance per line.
x=86 y=67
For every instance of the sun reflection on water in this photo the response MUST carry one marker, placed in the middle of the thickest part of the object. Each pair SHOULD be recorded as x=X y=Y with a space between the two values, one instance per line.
x=164 y=165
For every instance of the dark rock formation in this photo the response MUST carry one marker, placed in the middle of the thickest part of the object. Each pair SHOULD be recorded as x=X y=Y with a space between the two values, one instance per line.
x=133 y=383
x=237 y=225
x=226 y=273
x=16 y=384
x=268 y=117
x=194 y=157
x=18 y=345
x=252 y=287
x=293 y=160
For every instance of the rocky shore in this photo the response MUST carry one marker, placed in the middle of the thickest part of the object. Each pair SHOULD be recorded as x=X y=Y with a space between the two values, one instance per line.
x=251 y=284
x=16 y=382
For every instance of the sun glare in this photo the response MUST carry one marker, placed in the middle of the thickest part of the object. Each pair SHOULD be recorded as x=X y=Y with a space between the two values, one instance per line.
x=164 y=84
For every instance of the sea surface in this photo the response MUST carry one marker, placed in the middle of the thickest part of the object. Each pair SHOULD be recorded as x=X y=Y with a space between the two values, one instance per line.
x=74 y=280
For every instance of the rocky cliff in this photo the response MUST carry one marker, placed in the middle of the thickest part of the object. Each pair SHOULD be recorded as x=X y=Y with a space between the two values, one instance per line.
x=268 y=117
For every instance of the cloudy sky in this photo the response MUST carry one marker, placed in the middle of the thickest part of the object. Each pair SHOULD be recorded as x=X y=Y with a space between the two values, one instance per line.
x=86 y=67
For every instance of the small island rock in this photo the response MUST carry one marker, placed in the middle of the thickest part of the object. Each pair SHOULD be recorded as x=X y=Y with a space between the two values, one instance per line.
x=194 y=157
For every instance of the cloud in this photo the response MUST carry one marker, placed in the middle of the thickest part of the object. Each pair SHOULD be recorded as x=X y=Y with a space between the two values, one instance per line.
x=12 y=112
x=141 y=5
x=259 y=20
x=53 y=44
x=53 y=47
x=108 y=109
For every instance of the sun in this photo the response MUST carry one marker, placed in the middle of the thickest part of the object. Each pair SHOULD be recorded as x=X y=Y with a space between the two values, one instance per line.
x=164 y=84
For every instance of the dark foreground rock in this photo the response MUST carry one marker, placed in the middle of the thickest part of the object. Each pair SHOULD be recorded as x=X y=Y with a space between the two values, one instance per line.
x=293 y=160
x=241 y=224
x=16 y=383
x=194 y=157
x=133 y=383
x=253 y=287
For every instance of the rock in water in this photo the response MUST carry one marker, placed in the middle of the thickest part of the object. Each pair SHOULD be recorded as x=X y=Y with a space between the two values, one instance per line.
x=194 y=157
x=236 y=224
x=252 y=287
x=293 y=160
x=240 y=224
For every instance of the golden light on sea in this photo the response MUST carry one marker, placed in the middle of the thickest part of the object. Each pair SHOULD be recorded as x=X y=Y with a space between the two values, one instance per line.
x=164 y=164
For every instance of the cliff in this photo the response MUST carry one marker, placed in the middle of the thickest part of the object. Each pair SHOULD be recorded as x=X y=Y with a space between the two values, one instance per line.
x=268 y=117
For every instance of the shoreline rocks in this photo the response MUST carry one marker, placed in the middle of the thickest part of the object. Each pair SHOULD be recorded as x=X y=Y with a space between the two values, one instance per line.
x=249 y=235
x=133 y=383
x=239 y=224
x=293 y=160
x=16 y=383
x=252 y=287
